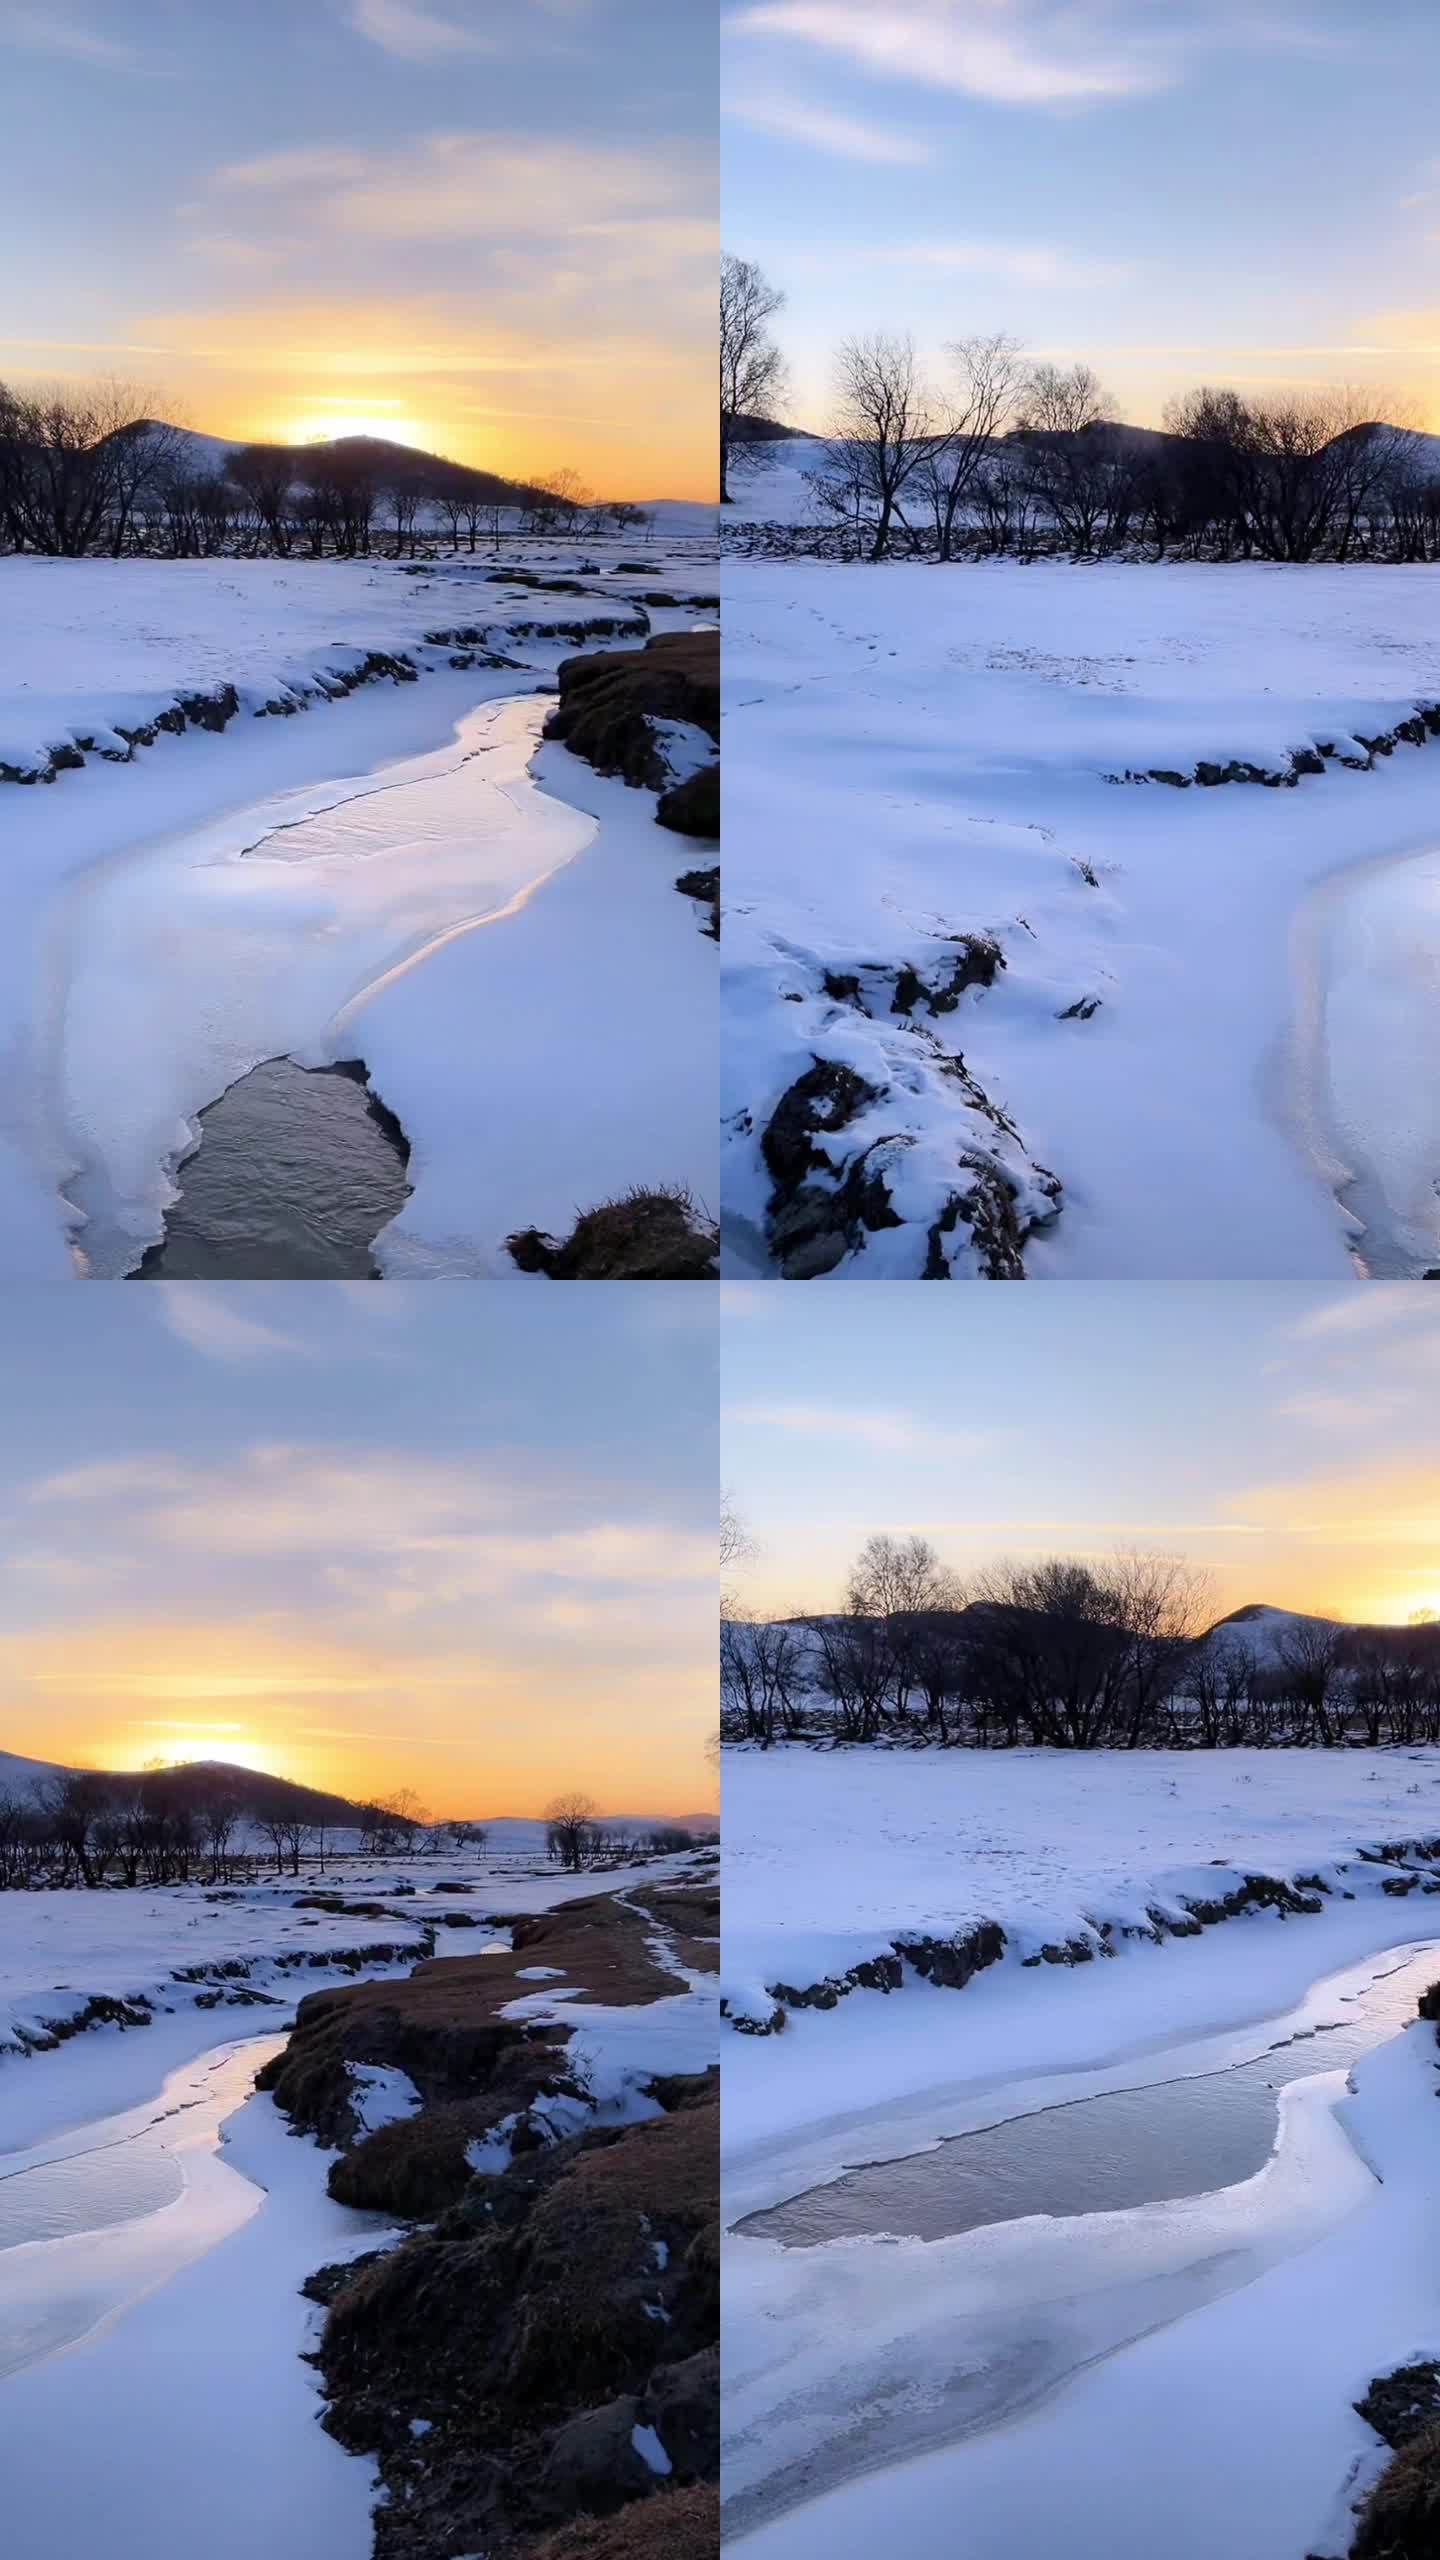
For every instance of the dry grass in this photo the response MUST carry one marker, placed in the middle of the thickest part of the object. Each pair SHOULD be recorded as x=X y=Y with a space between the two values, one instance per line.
x=679 y=2524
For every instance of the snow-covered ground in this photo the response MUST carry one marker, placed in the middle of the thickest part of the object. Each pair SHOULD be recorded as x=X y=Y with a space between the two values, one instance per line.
x=1188 y=1017
x=1062 y=2364
x=190 y=2409
x=91 y=647
x=173 y=1947
x=828 y=1854
x=381 y=877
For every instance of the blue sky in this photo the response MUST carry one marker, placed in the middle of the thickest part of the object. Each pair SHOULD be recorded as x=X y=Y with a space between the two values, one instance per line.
x=1174 y=190
x=484 y=223
x=462 y=1539
x=1282 y=1438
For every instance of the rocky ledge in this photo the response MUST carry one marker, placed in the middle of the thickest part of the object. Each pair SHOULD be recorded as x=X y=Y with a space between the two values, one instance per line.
x=652 y=715
x=535 y=2366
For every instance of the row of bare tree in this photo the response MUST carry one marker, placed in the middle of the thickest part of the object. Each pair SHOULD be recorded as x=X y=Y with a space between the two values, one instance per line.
x=87 y=471
x=80 y=1827
x=1068 y=1654
x=577 y=1838
x=999 y=455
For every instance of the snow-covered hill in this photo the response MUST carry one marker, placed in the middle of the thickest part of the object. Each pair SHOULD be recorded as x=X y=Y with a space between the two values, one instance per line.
x=512 y=1835
x=769 y=483
x=683 y=519
x=21 y=1776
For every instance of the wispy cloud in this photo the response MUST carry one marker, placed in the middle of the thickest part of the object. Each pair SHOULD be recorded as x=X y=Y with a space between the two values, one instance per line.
x=845 y=137
x=471 y=185
x=304 y=164
x=410 y=32
x=877 y=1427
x=1363 y=1311
x=52 y=31
x=111 y=1480
x=387 y=1528
x=209 y=1321
x=415 y=34
x=1337 y=1411
x=1006 y=51
x=1025 y=262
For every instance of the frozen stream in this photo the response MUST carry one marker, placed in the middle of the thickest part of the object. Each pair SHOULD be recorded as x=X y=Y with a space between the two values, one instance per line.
x=152 y=2330
x=174 y=970
x=913 y=2303
x=102 y=2214
x=1180 y=2137
x=1365 y=1063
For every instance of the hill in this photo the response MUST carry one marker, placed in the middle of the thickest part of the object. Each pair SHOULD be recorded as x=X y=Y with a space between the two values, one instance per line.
x=769 y=473
x=195 y=1780
x=203 y=455
x=745 y=430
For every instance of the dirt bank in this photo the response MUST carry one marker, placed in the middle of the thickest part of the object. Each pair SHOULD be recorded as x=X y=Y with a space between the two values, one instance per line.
x=535 y=2367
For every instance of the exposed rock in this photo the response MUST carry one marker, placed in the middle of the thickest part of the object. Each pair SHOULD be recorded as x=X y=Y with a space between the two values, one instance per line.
x=831 y=1192
x=704 y=886
x=692 y=807
x=610 y=698
x=1401 y=2406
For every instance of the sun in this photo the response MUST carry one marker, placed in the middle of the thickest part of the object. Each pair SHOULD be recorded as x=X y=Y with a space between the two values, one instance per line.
x=360 y=422
x=188 y=1747
x=183 y=1746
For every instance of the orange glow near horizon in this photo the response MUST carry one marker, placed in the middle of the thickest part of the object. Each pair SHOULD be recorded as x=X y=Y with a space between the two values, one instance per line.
x=471 y=1736
x=633 y=416
x=1328 y=1586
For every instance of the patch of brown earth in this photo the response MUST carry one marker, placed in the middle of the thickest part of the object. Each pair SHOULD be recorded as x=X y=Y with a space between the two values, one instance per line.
x=555 y=2323
x=690 y=1913
x=441 y=2025
x=1401 y=2520
x=648 y=1235
x=683 y=2524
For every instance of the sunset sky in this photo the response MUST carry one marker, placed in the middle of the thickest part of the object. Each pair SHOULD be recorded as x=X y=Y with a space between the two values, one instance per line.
x=1284 y=1438
x=1174 y=190
x=456 y=1539
x=484 y=226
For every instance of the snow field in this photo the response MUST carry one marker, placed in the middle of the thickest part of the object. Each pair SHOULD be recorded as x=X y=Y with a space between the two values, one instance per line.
x=917 y=755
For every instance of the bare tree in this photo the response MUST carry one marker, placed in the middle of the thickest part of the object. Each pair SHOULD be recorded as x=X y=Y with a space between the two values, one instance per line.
x=263 y=474
x=572 y=1825
x=894 y=1577
x=1307 y=1656
x=883 y=410
x=981 y=404
x=75 y=462
x=752 y=369
x=219 y=1813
